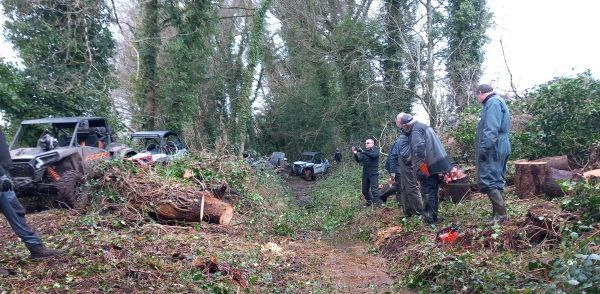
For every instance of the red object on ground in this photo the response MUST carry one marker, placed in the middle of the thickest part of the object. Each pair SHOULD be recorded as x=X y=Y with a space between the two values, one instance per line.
x=448 y=237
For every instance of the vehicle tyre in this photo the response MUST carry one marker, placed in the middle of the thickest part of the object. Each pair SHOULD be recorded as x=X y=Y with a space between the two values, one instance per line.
x=309 y=175
x=70 y=190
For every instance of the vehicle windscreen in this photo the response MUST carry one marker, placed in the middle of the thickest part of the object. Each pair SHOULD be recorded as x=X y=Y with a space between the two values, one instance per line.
x=29 y=135
x=151 y=145
x=307 y=158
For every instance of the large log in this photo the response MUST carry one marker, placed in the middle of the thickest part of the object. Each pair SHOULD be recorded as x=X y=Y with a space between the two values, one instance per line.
x=529 y=178
x=215 y=210
x=552 y=179
x=557 y=162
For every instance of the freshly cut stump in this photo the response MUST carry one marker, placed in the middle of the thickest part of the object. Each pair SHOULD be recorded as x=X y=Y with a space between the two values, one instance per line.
x=529 y=178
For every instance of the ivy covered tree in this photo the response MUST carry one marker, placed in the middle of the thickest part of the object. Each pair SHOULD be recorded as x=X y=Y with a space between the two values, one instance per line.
x=468 y=21
x=66 y=48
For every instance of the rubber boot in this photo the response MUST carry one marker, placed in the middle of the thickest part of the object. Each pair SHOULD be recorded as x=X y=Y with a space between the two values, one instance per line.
x=498 y=208
x=40 y=251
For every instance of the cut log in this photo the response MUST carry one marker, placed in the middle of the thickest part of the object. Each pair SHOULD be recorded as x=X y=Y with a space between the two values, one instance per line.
x=215 y=210
x=592 y=174
x=553 y=177
x=529 y=178
x=557 y=162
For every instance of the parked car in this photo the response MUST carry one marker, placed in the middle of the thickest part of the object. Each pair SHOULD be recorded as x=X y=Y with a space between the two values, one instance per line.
x=277 y=159
x=162 y=146
x=310 y=165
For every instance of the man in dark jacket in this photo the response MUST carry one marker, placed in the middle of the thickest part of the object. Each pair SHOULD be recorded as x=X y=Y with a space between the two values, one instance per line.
x=369 y=158
x=400 y=163
x=430 y=161
x=492 y=148
x=14 y=211
x=338 y=155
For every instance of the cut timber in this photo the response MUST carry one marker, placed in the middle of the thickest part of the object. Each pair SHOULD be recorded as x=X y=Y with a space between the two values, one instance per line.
x=553 y=177
x=557 y=162
x=215 y=210
x=592 y=174
x=529 y=178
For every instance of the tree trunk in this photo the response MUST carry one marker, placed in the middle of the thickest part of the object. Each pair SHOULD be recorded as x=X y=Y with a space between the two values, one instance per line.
x=215 y=210
x=557 y=162
x=529 y=178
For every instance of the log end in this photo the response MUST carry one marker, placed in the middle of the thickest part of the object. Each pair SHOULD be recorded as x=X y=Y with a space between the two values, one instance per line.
x=226 y=216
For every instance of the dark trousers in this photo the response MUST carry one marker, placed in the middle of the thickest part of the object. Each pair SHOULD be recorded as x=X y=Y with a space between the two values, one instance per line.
x=370 y=181
x=429 y=192
x=15 y=215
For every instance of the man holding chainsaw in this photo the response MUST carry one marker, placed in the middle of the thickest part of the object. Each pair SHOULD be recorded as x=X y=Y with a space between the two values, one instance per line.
x=430 y=160
x=14 y=211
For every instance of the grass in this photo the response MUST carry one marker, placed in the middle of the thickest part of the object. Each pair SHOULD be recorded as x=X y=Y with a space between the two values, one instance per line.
x=106 y=254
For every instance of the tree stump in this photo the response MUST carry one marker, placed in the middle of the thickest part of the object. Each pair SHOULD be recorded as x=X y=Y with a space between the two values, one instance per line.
x=529 y=178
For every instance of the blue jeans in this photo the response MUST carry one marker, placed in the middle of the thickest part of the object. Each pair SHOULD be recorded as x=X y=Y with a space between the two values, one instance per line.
x=15 y=215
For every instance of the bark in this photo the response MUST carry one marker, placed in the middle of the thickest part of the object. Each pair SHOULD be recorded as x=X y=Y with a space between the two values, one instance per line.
x=553 y=177
x=215 y=210
x=529 y=178
x=557 y=162
x=458 y=190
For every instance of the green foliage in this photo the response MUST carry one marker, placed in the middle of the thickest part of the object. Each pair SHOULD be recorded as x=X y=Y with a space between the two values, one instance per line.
x=585 y=198
x=66 y=48
x=464 y=133
x=468 y=21
x=575 y=273
x=566 y=118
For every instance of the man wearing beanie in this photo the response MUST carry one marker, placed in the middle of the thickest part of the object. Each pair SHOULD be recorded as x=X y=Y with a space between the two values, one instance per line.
x=492 y=148
x=430 y=160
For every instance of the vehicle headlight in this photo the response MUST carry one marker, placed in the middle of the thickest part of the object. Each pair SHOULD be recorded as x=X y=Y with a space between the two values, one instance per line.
x=45 y=159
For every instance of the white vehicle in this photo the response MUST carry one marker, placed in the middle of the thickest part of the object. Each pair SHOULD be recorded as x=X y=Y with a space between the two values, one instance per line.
x=309 y=165
x=161 y=145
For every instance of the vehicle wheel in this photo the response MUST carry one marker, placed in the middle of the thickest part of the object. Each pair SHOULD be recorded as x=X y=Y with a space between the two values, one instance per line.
x=309 y=175
x=70 y=189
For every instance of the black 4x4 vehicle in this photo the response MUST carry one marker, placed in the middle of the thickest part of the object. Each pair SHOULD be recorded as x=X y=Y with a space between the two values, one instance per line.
x=50 y=156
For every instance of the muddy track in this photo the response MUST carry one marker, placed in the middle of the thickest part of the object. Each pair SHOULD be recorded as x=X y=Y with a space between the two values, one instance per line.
x=348 y=266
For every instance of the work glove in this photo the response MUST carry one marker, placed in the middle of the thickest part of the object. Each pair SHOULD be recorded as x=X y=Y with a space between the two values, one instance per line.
x=423 y=168
x=5 y=184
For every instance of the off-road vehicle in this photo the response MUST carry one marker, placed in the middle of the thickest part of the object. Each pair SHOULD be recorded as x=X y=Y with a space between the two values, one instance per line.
x=51 y=155
x=162 y=146
x=309 y=165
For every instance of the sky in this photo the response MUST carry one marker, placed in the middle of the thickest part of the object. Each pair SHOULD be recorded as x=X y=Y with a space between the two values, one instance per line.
x=542 y=39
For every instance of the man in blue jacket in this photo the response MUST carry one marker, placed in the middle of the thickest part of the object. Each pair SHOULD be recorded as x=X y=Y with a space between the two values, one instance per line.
x=492 y=148
x=14 y=211
x=430 y=160
x=369 y=157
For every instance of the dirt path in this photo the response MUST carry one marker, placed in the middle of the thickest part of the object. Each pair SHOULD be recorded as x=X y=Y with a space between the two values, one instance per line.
x=349 y=267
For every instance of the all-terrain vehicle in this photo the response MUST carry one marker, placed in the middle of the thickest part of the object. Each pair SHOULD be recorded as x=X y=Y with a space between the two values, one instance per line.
x=309 y=165
x=162 y=146
x=51 y=155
